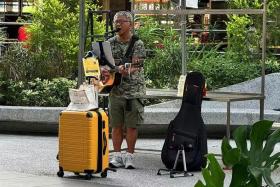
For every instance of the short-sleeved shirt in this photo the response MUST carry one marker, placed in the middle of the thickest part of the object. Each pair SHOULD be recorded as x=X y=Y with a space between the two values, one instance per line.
x=133 y=85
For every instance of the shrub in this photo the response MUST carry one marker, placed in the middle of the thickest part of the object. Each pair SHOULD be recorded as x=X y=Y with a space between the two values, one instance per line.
x=19 y=64
x=240 y=62
x=2 y=35
x=150 y=31
x=273 y=16
x=52 y=47
x=164 y=68
x=221 y=71
x=242 y=38
x=37 y=93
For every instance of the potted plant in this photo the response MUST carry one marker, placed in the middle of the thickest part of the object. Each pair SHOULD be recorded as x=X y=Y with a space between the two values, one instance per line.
x=251 y=160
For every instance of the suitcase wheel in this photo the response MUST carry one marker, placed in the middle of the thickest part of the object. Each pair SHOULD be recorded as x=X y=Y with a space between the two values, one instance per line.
x=88 y=176
x=60 y=173
x=104 y=174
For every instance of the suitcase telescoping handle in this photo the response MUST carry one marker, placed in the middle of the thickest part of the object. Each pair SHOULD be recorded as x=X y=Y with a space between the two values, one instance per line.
x=105 y=143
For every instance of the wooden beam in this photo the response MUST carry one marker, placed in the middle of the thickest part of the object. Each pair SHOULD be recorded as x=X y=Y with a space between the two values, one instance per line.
x=200 y=11
x=106 y=5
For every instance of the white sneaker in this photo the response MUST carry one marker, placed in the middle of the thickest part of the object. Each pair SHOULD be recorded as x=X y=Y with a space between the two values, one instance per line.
x=117 y=161
x=129 y=161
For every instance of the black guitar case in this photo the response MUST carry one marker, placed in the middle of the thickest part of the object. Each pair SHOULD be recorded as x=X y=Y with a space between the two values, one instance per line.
x=188 y=128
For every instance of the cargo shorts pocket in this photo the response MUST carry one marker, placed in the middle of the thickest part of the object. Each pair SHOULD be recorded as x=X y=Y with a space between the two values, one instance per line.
x=140 y=110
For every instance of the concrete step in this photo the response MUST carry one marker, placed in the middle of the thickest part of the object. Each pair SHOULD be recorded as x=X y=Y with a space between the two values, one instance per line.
x=156 y=120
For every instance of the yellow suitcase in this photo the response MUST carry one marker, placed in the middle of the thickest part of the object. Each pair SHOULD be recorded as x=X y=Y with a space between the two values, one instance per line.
x=83 y=143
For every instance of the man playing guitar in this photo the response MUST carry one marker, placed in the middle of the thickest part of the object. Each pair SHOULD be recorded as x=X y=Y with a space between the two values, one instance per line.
x=126 y=107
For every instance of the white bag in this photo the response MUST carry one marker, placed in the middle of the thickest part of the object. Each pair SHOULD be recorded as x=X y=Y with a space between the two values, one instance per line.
x=83 y=99
x=181 y=85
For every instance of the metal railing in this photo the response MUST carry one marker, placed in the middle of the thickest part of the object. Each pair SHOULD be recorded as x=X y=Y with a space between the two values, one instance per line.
x=182 y=12
x=8 y=7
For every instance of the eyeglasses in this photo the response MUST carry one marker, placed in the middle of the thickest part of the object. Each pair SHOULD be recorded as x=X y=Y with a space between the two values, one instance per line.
x=120 y=21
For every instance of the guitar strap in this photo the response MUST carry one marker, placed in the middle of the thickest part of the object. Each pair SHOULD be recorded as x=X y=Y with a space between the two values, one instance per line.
x=125 y=59
x=103 y=59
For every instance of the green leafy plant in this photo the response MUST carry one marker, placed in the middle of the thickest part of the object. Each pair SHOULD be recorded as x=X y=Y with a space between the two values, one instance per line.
x=163 y=41
x=2 y=35
x=250 y=165
x=2 y=38
x=274 y=22
x=18 y=64
x=222 y=70
x=149 y=31
x=273 y=17
x=54 y=36
x=245 y=3
x=241 y=40
x=250 y=161
x=51 y=50
x=164 y=68
x=37 y=92
x=212 y=173
x=1 y=93
x=237 y=64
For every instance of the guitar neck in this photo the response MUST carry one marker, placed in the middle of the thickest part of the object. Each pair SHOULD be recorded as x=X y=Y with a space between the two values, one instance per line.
x=127 y=61
x=127 y=66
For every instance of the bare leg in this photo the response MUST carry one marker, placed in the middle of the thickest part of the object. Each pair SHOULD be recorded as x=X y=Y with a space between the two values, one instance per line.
x=117 y=137
x=131 y=137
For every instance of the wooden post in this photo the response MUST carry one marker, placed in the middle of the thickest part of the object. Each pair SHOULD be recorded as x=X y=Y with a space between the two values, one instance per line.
x=81 y=40
x=263 y=58
x=9 y=6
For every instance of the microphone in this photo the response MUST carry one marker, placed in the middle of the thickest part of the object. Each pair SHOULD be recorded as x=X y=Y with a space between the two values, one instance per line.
x=113 y=31
x=89 y=54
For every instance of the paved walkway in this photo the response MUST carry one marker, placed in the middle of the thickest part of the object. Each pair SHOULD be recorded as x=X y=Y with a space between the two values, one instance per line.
x=29 y=161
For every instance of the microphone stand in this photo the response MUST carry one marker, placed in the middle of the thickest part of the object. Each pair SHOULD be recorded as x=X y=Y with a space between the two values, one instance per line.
x=111 y=33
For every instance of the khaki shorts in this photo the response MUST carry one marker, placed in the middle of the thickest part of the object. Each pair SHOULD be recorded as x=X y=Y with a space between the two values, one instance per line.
x=128 y=113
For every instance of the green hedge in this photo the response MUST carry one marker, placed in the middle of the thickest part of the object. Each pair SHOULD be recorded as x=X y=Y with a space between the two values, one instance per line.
x=220 y=70
x=36 y=93
x=237 y=63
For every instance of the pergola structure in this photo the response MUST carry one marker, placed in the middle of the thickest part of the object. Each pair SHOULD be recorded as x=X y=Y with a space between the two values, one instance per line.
x=14 y=7
x=183 y=12
x=10 y=11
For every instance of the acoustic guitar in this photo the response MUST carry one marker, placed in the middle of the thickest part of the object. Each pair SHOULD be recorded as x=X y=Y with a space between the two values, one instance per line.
x=115 y=77
x=92 y=71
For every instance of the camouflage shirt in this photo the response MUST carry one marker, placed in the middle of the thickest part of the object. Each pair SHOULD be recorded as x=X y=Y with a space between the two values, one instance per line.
x=133 y=85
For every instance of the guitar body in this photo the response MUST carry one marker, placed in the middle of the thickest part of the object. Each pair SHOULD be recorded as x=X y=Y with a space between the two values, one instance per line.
x=114 y=79
x=106 y=87
x=92 y=68
x=92 y=71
